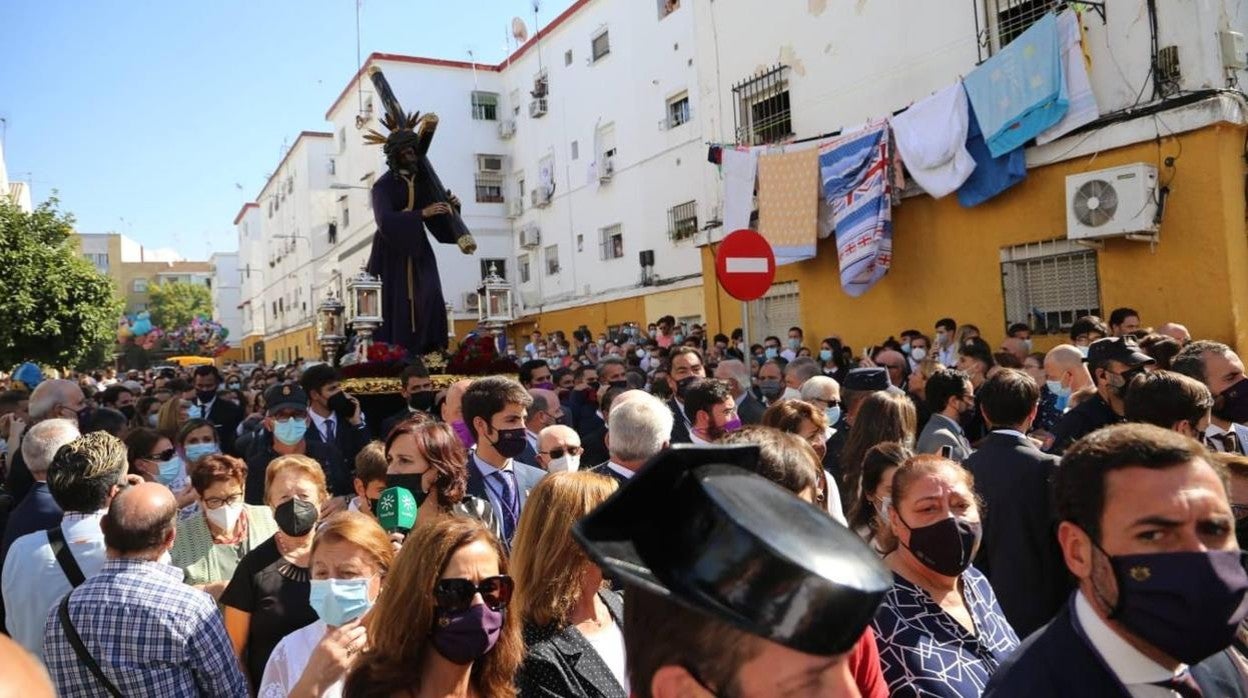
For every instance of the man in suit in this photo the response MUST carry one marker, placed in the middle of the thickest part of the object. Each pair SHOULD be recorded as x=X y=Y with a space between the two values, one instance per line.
x=640 y=427
x=749 y=408
x=1220 y=369
x=336 y=419
x=418 y=394
x=224 y=415
x=1019 y=552
x=949 y=396
x=686 y=366
x=494 y=408
x=1147 y=529
x=38 y=511
x=544 y=412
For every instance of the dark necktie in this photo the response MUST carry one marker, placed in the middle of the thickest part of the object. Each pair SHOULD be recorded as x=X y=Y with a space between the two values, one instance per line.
x=1183 y=684
x=329 y=431
x=507 y=502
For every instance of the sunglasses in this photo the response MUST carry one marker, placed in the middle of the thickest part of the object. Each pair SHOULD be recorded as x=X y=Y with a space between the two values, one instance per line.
x=163 y=456
x=456 y=594
x=558 y=452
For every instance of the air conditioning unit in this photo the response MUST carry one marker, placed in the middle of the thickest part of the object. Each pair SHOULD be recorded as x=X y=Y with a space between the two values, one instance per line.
x=540 y=196
x=530 y=236
x=472 y=302
x=1116 y=202
x=537 y=108
x=506 y=129
x=515 y=208
x=608 y=169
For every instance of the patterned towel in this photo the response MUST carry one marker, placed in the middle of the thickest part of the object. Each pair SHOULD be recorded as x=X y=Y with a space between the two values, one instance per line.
x=1082 y=108
x=857 y=181
x=788 y=205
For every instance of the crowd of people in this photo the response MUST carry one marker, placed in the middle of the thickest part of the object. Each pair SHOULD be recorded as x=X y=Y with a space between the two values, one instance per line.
x=643 y=514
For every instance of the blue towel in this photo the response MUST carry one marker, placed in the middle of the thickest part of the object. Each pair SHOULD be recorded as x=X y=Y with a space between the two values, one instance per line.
x=991 y=175
x=1020 y=92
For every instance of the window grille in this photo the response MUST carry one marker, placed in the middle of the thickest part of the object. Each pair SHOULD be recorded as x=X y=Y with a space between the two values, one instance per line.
x=1048 y=285
x=601 y=45
x=775 y=313
x=1005 y=20
x=611 y=242
x=484 y=106
x=522 y=264
x=552 y=260
x=763 y=112
x=489 y=187
x=678 y=111
x=682 y=221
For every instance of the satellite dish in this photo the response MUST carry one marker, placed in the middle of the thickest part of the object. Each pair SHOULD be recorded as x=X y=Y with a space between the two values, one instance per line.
x=518 y=31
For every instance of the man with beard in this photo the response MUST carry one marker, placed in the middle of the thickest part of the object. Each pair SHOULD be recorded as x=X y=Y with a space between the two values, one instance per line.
x=711 y=410
x=1221 y=370
x=1113 y=362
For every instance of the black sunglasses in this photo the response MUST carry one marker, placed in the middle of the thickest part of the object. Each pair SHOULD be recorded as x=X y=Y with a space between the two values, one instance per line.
x=558 y=452
x=456 y=594
x=163 y=456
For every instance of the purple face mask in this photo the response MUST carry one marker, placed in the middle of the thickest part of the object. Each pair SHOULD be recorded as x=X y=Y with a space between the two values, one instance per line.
x=465 y=636
x=732 y=425
x=1187 y=605
x=544 y=385
x=463 y=432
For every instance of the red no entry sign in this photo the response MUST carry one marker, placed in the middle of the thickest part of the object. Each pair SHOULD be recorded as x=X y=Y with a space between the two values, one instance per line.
x=745 y=265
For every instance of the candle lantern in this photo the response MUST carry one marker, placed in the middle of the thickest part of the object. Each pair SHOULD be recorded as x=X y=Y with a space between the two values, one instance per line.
x=494 y=302
x=364 y=308
x=330 y=331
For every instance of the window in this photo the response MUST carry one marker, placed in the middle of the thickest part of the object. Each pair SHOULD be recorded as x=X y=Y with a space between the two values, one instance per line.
x=580 y=242
x=522 y=263
x=485 y=106
x=1010 y=18
x=600 y=45
x=500 y=267
x=776 y=312
x=611 y=242
x=140 y=285
x=489 y=179
x=342 y=139
x=567 y=57
x=99 y=260
x=576 y=150
x=1048 y=285
x=678 y=110
x=552 y=260
x=346 y=212
x=763 y=115
x=682 y=221
x=332 y=233
x=332 y=166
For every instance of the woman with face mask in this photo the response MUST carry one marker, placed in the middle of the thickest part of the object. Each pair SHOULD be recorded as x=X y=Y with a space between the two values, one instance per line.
x=173 y=414
x=210 y=543
x=267 y=598
x=350 y=558
x=810 y=423
x=443 y=627
x=940 y=630
x=868 y=515
x=195 y=440
x=426 y=458
x=153 y=458
x=561 y=597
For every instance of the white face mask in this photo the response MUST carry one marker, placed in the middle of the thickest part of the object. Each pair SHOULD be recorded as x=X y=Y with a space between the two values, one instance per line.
x=791 y=394
x=224 y=517
x=567 y=464
x=918 y=353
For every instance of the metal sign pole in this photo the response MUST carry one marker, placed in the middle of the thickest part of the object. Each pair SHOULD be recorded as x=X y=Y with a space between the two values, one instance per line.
x=745 y=340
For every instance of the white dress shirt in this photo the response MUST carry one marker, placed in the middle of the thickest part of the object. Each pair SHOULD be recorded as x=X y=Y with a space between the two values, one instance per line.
x=532 y=439
x=493 y=490
x=33 y=581
x=620 y=470
x=694 y=438
x=1134 y=670
x=319 y=422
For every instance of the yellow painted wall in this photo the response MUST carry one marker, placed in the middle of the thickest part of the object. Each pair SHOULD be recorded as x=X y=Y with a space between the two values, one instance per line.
x=287 y=347
x=685 y=302
x=249 y=344
x=946 y=259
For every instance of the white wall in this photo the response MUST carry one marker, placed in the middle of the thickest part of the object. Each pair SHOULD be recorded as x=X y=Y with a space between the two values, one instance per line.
x=227 y=294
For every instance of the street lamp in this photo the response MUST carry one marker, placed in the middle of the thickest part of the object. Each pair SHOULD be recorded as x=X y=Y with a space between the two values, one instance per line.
x=364 y=308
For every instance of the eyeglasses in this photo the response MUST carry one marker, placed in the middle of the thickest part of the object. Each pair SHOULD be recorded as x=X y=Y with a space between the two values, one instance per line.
x=163 y=456
x=558 y=452
x=218 y=502
x=456 y=594
x=826 y=403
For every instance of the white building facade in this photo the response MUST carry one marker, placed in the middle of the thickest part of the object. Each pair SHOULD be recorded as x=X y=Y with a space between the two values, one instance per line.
x=227 y=294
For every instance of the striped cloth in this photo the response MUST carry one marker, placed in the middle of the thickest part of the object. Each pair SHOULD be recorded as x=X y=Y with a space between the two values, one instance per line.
x=857 y=182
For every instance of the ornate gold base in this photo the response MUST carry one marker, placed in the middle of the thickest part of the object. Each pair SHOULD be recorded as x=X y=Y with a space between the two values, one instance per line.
x=378 y=386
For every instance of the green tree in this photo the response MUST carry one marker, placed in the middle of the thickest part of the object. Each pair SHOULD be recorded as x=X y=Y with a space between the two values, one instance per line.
x=174 y=304
x=55 y=308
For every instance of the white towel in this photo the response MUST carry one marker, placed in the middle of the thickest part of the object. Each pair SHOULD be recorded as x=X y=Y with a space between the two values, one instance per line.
x=740 y=172
x=1083 y=108
x=931 y=136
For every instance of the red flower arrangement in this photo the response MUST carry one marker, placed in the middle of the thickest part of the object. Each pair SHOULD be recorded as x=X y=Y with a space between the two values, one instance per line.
x=478 y=356
x=384 y=361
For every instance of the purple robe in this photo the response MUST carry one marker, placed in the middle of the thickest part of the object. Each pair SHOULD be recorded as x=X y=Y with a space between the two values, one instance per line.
x=411 y=290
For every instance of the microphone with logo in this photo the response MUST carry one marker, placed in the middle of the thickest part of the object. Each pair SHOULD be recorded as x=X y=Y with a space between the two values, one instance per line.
x=396 y=510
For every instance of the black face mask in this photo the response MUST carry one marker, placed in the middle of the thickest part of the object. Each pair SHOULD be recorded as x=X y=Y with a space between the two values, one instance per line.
x=1232 y=403
x=510 y=442
x=946 y=546
x=421 y=400
x=205 y=396
x=1241 y=533
x=682 y=386
x=296 y=517
x=410 y=482
x=621 y=383
x=341 y=405
x=127 y=410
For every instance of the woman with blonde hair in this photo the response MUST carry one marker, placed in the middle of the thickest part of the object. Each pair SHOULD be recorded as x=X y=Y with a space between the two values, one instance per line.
x=350 y=559
x=173 y=414
x=442 y=627
x=572 y=622
x=267 y=598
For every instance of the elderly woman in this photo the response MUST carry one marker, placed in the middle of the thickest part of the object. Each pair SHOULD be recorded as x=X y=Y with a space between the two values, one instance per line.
x=350 y=559
x=572 y=622
x=210 y=543
x=267 y=598
x=810 y=423
x=449 y=584
x=426 y=458
x=940 y=629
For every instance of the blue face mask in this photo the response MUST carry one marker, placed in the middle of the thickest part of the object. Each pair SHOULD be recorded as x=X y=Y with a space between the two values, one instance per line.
x=152 y=420
x=1062 y=393
x=290 y=431
x=825 y=355
x=834 y=415
x=170 y=471
x=196 y=451
x=771 y=352
x=195 y=412
x=339 y=601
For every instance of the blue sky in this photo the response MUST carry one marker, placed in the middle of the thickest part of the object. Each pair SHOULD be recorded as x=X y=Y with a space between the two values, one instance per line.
x=144 y=115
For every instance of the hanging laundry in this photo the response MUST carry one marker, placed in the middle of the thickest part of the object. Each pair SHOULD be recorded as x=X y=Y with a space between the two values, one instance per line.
x=1082 y=108
x=857 y=182
x=992 y=175
x=931 y=136
x=1020 y=93
x=740 y=168
x=714 y=155
x=788 y=203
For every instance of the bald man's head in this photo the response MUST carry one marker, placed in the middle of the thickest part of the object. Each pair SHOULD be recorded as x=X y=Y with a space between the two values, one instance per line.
x=557 y=442
x=21 y=675
x=140 y=522
x=1174 y=329
x=453 y=408
x=544 y=411
x=1064 y=363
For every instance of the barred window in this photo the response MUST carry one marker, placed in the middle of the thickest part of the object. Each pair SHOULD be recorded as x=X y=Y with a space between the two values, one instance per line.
x=763 y=112
x=1048 y=285
x=552 y=260
x=489 y=187
x=1007 y=19
x=682 y=221
x=678 y=110
x=522 y=264
x=485 y=106
x=611 y=242
x=601 y=45
x=775 y=313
